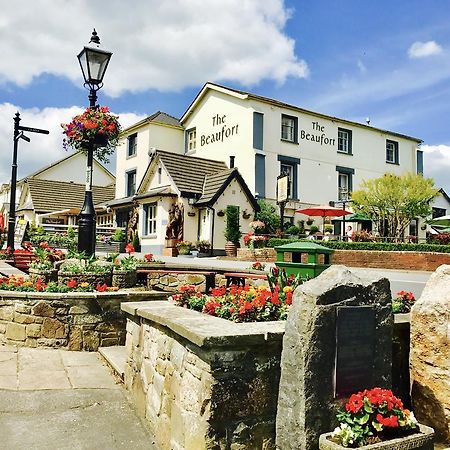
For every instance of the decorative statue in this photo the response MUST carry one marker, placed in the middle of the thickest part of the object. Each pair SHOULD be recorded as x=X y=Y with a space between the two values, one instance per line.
x=174 y=228
x=132 y=222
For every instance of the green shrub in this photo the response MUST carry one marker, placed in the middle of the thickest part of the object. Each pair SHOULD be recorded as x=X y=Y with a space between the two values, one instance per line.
x=293 y=230
x=232 y=231
x=268 y=214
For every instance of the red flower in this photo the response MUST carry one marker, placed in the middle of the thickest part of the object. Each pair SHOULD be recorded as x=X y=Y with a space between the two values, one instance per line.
x=101 y=287
x=354 y=404
x=275 y=299
x=72 y=284
x=391 y=421
x=288 y=300
x=129 y=248
x=148 y=256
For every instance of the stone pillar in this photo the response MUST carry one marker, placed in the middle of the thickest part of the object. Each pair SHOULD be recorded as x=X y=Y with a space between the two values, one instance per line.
x=430 y=354
x=326 y=310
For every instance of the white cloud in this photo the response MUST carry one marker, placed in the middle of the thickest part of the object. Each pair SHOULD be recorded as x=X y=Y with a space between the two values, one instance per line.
x=161 y=45
x=43 y=149
x=437 y=164
x=423 y=49
x=362 y=68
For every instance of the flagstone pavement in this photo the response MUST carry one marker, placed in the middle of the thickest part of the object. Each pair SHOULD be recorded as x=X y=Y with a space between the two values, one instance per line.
x=55 y=400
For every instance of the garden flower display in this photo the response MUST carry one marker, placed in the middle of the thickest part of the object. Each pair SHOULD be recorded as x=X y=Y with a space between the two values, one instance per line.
x=252 y=240
x=244 y=304
x=403 y=302
x=372 y=416
x=22 y=284
x=92 y=124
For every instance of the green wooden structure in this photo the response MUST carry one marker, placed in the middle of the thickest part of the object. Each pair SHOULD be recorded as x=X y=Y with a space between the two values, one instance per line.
x=306 y=258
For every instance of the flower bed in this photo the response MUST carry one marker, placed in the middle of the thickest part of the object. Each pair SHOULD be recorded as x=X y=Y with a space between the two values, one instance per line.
x=244 y=304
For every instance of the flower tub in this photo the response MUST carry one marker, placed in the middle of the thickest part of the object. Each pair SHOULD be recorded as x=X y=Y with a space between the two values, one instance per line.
x=92 y=278
x=422 y=440
x=124 y=278
x=45 y=275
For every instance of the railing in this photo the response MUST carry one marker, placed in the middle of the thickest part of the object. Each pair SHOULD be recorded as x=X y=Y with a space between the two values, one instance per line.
x=57 y=228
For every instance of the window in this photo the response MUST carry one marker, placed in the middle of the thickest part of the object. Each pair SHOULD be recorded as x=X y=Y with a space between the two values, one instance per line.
x=344 y=141
x=149 y=218
x=419 y=161
x=289 y=166
x=438 y=212
x=345 y=182
x=132 y=145
x=131 y=182
x=289 y=126
x=391 y=151
x=191 y=139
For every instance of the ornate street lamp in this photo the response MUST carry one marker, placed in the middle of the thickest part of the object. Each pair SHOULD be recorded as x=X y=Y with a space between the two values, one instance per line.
x=93 y=62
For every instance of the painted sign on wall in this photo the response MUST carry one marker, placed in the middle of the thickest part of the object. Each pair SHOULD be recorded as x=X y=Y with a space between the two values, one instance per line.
x=221 y=131
x=317 y=134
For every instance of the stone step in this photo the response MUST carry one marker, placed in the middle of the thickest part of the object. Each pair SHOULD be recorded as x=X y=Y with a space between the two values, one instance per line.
x=115 y=357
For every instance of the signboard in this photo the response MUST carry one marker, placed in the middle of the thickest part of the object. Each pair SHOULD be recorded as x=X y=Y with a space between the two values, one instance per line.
x=282 y=188
x=355 y=349
x=53 y=221
x=33 y=130
x=19 y=232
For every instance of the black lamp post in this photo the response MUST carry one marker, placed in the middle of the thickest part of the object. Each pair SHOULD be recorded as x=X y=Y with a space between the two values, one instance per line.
x=93 y=62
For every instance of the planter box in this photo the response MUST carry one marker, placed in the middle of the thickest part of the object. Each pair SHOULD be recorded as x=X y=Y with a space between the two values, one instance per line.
x=422 y=440
x=110 y=247
x=124 y=278
x=45 y=275
x=87 y=277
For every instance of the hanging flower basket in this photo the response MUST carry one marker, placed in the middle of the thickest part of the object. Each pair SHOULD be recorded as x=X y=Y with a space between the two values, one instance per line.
x=97 y=127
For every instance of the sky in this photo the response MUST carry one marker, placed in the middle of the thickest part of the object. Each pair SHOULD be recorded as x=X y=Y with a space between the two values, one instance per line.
x=385 y=60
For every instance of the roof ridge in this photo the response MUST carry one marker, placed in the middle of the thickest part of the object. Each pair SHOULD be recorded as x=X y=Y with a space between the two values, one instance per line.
x=190 y=156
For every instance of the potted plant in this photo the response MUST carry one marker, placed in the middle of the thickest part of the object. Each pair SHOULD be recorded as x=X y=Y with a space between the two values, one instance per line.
x=124 y=273
x=232 y=231
x=44 y=265
x=203 y=248
x=376 y=419
x=95 y=125
x=184 y=247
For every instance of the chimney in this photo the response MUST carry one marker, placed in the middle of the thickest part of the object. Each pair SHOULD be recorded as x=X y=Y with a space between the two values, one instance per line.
x=232 y=161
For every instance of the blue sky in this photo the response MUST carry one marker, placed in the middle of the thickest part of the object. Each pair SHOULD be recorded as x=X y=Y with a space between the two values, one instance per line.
x=386 y=60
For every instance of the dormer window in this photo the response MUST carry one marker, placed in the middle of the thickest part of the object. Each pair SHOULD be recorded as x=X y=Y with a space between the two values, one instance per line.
x=191 y=140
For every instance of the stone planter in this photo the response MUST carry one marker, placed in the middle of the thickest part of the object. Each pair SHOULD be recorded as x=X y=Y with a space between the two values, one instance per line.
x=124 y=278
x=417 y=441
x=110 y=247
x=86 y=277
x=45 y=275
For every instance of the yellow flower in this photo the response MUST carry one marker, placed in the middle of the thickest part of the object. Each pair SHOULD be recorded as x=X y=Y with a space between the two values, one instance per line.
x=252 y=291
x=287 y=289
x=262 y=287
x=84 y=284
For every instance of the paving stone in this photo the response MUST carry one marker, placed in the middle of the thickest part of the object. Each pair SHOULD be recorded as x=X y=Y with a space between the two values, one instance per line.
x=8 y=382
x=8 y=348
x=40 y=359
x=9 y=366
x=79 y=358
x=43 y=379
x=91 y=377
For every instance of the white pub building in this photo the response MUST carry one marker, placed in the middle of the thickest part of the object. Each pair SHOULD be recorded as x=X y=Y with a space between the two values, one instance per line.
x=326 y=157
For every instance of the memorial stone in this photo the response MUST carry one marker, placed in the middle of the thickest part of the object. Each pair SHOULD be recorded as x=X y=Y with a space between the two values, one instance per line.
x=338 y=340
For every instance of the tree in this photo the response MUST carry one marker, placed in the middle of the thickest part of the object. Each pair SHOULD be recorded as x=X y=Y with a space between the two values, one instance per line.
x=392 y=201
x=269 y=215
x=233 y=229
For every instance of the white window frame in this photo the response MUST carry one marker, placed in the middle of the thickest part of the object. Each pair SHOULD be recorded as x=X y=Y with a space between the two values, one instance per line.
x=132 y=145
x=343 y=186
x=344 y=141
x=150 y=214
x=391 y=149
x=130 y=173
x=289 y=169
x=288 y=127
x=191 y=139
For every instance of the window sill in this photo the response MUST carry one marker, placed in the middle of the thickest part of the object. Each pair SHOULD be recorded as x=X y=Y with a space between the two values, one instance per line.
x=288 y=141
x=131 y=156
x=149 y=236
x=393 y=162
x=344 y=153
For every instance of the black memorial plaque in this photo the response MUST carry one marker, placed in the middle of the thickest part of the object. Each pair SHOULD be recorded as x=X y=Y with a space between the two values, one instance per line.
x=355 y=349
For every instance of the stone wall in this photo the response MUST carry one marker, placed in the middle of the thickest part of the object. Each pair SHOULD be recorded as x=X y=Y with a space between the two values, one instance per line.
x=75 y=321
x=171 y=282
x=427 y=261
x=202 y=382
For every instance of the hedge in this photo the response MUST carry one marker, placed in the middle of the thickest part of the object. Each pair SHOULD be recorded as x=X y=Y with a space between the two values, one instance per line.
x=376 y=246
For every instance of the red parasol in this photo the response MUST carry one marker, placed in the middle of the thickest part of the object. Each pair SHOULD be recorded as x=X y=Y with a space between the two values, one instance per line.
x=323 y=211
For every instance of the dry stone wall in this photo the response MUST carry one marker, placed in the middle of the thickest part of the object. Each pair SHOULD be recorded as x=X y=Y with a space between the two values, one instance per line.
x=202 y=382
x=75 y=321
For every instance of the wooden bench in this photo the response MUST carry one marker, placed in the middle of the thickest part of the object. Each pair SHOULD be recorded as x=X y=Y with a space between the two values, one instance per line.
x=238 y=278
x=210 y=277
x=22 y=261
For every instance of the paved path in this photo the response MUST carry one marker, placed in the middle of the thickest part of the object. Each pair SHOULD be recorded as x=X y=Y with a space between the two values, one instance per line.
x=56 y=400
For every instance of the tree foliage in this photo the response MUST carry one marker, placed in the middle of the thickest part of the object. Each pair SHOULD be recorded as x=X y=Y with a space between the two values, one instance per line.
x=268 y=214
x=392 y=201
x=233 y=229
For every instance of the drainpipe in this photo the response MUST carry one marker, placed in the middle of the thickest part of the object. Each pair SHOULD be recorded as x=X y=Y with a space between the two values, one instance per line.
x=212 y=229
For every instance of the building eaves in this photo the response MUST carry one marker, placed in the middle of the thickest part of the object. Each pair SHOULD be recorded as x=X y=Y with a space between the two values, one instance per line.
x=271 y=101
x=158 y=117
